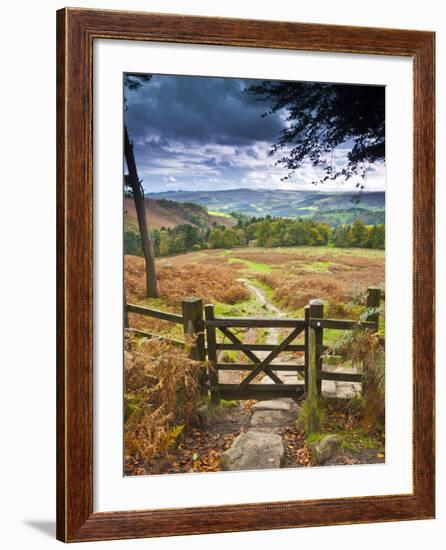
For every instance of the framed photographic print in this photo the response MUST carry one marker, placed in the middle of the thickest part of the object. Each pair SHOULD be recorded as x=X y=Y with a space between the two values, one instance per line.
x=245 y=275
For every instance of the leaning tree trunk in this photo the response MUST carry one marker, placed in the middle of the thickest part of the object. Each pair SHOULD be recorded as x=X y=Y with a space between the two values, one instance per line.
x=138 y=197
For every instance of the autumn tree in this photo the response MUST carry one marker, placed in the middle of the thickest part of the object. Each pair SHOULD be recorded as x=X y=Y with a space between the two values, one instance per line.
x=230 y=238
x=216 y=238
x=359 y=233
x=342 y=236
x=376 y=237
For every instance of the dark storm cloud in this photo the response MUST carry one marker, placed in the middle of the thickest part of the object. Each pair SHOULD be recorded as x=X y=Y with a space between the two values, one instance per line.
x=206 y=133
x=199 y=109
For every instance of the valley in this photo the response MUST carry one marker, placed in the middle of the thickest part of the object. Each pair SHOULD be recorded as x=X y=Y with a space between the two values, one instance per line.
x=331 y=208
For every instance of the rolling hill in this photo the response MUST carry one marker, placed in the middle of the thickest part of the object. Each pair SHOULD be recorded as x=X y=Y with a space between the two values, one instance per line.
x=167 y=213
x=332 y=208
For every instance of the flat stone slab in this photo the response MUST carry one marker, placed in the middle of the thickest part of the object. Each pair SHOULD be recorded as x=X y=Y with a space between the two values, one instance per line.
x=340 y=390
x=282 y=404
x=254 y=450
x=273 y=419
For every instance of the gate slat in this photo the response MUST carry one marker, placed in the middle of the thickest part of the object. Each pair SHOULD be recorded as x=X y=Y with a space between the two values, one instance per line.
x=249 y=354
x=262 y=391
x=257 y=347
x=293 y=334
x=250 y=366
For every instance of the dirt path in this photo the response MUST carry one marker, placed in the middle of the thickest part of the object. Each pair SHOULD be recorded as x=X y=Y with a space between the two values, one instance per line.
x=273 y=334
x=261 y=298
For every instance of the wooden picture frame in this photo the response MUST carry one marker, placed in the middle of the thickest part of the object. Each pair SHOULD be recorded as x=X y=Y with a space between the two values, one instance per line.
x=77 y=29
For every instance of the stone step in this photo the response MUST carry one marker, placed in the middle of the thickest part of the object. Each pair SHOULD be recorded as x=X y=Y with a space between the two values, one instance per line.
x=254 y=450
x=282 y=404
x=274 y=414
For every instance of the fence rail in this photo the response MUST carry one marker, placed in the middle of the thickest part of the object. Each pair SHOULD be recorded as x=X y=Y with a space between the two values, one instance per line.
x=200 y=328
x=191 y=319
x=144 y=334
x=254 y=322
x=341 y=324
x=155 y=313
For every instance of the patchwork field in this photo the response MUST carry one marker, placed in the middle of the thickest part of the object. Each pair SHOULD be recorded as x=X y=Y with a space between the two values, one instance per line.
x=289 y=278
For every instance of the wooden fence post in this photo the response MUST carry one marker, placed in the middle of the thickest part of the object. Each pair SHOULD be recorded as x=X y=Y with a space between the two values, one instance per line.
x=316 y=310
x=373 y=301
x=192 y=310
x=307 y=325
x=212 y=355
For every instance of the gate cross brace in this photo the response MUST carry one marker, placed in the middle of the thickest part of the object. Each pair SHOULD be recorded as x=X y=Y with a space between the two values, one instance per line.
x=249 y=354
x=263 y=364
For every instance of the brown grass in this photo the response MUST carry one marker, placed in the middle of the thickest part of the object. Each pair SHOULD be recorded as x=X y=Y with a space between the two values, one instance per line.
x=341 y=284
x=177 y=282
x=213 y=281
x=161 y=393
x=271 y=258
x=295 y=292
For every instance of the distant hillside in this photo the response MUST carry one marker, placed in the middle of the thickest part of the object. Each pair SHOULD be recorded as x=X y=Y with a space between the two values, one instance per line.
x=168 y=213
x=332 y=208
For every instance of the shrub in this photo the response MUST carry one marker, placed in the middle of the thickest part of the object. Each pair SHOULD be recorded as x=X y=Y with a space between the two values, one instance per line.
x=365 y=350
x=132 y=243
x=357 y=294
x=338 y=310
x=161 y=395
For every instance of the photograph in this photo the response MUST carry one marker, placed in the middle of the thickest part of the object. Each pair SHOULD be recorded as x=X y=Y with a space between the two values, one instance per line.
x=254 y=274
x=220 y=260
x=245 y=278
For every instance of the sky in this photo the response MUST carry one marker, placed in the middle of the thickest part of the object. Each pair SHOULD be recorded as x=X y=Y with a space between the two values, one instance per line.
x=201 y=133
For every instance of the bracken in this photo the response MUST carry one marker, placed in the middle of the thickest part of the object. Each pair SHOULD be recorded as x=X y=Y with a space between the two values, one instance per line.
x=161 y=393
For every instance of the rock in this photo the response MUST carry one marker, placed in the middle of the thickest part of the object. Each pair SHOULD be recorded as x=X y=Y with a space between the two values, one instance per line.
x=347 y=390
x=270 y=419
x=283 y=404
x=204 y=416
x=328 y=388
x=325 y=448
x=254 y=450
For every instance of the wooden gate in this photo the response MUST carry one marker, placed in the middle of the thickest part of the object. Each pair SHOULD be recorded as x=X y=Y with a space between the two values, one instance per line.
x=312 y=326
x=246 y=389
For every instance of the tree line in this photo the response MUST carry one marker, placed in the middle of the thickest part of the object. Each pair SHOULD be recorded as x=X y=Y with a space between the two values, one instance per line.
x=264 y=232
